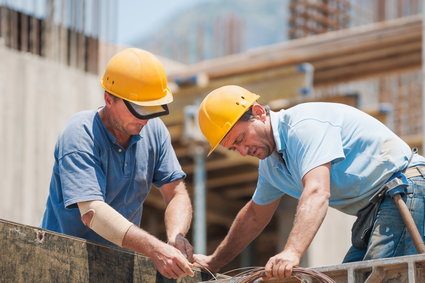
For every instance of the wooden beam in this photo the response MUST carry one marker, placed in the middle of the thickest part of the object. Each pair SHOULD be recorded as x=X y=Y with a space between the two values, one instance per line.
x=280 y=82
x=355 y=53
x=240 y=192
x=368 y=69
x=349 y=99
x=370 y=54
x=347 y=41
x=233 y=179
x=31 y=254
x=215 y=164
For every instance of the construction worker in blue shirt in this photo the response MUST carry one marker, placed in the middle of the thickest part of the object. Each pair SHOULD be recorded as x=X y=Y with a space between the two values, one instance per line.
x=107 y=159
x=323 y=154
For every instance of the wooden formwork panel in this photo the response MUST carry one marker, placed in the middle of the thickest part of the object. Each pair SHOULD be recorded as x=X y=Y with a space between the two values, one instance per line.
x=30 y=254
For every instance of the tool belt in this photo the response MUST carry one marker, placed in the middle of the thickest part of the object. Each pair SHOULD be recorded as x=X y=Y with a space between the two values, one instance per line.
x=415 y=171
x=362 y=227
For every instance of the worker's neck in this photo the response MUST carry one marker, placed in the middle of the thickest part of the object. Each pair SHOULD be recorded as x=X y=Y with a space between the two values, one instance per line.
x=270 y=134
x=122 y=137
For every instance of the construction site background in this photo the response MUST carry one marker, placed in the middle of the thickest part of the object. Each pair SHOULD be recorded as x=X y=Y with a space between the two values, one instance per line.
x=52 y=60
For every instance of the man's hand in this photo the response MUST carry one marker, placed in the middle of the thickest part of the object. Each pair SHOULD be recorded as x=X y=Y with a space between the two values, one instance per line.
x=171 y=263
x=311 y=210
x=205 y=262
x=281 y=265
x=183 y=245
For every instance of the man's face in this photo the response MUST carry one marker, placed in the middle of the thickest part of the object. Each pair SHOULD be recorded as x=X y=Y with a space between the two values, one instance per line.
x=253 y=137
x=122 y=120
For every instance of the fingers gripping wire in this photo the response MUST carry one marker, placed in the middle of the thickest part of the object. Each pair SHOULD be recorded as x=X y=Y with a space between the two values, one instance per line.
x=204 y=268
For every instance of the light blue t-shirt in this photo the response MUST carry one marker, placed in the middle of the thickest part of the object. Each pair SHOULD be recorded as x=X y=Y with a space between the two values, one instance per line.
x=91 y=165
x=363 y=153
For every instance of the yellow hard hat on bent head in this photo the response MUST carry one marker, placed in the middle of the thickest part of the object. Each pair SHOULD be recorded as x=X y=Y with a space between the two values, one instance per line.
x=139 y=78
x=221 y=109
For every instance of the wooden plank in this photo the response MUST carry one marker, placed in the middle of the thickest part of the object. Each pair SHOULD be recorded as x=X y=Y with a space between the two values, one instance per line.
x=215 y=164
x=282 y=82
x=349 y=99
x=233 y=179
x=31 y=254
x=379 y=39
x=370 y=54
x=313 y=47
x=371 y=69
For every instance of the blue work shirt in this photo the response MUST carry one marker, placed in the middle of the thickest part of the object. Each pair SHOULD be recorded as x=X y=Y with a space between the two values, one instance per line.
x=91 y=165
x=363 y=153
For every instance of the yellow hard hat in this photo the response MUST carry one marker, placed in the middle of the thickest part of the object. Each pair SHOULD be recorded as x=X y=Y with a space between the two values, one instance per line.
x=137 y=76
x=221 y=109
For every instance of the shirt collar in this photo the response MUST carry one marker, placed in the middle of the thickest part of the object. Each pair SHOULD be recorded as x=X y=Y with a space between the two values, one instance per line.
x=275 y=118
x=136 y=138
x=113 y=139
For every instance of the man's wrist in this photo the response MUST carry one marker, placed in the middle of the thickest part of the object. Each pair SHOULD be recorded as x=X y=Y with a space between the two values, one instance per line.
x=172 y=238
x=292 y=250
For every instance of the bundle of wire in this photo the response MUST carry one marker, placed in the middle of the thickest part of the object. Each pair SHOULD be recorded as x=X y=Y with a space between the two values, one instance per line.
x=251 y=274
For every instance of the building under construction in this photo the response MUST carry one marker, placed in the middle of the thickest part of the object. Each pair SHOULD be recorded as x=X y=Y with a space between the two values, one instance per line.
x=367 y=54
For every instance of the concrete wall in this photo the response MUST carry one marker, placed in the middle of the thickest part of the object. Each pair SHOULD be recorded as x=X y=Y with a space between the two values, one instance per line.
x=37 y=96
x=332 y=241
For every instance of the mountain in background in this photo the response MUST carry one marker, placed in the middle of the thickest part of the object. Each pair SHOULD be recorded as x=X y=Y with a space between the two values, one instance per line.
x=218 y=28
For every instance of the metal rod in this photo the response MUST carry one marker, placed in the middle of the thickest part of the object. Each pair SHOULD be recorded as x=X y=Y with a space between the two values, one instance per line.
x=199 y=198
x=423 y=79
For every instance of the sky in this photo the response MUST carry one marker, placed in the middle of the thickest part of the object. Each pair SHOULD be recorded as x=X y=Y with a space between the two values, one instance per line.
x=136 y=18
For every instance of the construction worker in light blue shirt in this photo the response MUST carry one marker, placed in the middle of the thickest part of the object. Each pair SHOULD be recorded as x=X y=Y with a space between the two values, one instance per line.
x=323 y=154
x=107 y=159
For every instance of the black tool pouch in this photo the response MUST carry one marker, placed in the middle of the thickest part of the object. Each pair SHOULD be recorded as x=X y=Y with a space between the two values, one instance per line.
x=362 y=227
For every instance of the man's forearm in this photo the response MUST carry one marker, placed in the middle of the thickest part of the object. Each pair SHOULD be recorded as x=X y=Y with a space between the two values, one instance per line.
x=178 y=215
x=234 y=243
x=247 y=225
x=310 y=214
x=311 y=210
x=139 y=240
x=104 y=220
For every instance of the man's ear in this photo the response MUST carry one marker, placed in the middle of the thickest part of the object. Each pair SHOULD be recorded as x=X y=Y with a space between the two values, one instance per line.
x=107 y=97
x=259 y=112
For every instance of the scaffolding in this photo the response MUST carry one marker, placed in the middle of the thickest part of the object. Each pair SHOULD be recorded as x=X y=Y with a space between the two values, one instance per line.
x=311 y=17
